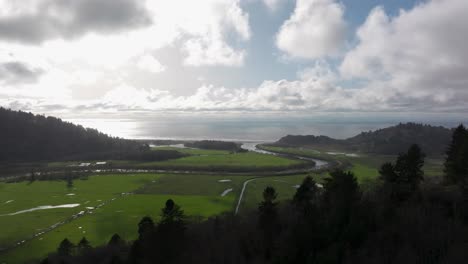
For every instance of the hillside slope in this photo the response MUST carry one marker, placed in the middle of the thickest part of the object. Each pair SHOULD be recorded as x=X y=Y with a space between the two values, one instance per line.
x=28 y=137
x=391 y=140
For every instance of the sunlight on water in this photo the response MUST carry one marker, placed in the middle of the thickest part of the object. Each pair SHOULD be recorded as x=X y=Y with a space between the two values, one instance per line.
x=238 y=127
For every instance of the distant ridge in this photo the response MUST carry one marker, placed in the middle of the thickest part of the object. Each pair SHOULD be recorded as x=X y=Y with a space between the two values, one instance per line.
x=391 y=140
x=28 y=137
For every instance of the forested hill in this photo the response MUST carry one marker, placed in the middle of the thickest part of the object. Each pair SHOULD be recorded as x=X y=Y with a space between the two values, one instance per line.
x=433 y=140
x=28 y=137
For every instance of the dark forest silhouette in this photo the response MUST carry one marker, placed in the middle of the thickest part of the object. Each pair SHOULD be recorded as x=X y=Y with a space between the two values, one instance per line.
x=28 y=137
x=216 y=145
x=392 y=140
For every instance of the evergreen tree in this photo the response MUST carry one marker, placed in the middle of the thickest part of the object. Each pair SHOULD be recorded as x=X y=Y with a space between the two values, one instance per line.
x=65 y=248
x=171 y=232
x=410 y=165
x=268 y=219
x=306 y=196
x=83 y=245
x=402 y=180
x=341 y=192
x=456 y=162
x=145 y=226
x=116 y=241
x=456 y=166
x=267 y=207
x=341 y=188
x=341 y=198
x=172 y=214
x=307 y=192
x=387 y=173
x=390 y=179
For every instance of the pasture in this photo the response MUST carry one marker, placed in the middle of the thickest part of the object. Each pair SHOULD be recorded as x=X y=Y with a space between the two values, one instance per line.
x=198 y=160
x=364 y=166
x=111 y=204
x=222 y=159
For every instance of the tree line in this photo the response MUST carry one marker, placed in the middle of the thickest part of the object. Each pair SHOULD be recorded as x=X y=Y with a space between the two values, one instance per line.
x=215 y=145
x=28 y=137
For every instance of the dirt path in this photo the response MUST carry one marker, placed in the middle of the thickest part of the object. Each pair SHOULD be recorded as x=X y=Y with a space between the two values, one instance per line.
x=242 y=194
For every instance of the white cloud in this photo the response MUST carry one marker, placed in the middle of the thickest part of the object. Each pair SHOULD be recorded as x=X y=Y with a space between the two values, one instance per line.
x=416 y=59
x=316 y=89
x=207 y=45
x=316 y=29
x=104 y=51
x=174 y=22
x=149 y=63
x=205 y=52
x=204 y=27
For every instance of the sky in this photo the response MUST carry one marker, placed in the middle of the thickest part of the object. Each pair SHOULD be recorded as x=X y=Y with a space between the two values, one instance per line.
x=108 y=57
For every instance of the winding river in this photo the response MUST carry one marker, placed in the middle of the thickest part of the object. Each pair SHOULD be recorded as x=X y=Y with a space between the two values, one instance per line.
x=252 y=146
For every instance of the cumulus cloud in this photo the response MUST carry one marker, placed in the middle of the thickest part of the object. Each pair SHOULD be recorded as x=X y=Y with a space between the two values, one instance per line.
x=82 y=49
x=416 y=59
x=208 y=30
x=108 y=36
x=315 y=29
x=270 y=95
x=315 y=89
x=206 y=52
x=34 y=21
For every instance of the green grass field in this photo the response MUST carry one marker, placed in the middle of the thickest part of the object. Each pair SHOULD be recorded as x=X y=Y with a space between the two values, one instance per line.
x=234 y=160
x=194 y=151
x=364 y=166
x=199 y=196
x=24 y=195
x=201 y=159
x=122 y=217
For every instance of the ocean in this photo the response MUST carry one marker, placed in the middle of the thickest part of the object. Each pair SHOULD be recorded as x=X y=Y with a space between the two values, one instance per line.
x=250 y=127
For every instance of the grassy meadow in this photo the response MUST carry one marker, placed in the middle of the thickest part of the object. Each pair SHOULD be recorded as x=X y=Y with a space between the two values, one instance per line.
x=218 y=158
x=364 y=166
x=201 y=160
x=199 y=196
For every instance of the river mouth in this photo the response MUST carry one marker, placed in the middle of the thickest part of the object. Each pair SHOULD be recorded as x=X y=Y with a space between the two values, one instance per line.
x=42 y=207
